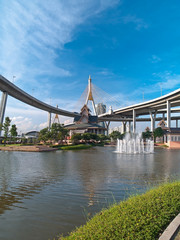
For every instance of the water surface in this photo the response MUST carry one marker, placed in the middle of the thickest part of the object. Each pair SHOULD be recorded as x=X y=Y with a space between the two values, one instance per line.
x=46 y=194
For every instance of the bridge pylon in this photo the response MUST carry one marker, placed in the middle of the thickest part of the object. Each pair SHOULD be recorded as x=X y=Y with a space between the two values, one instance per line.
x=56 y=118
x=90 y=95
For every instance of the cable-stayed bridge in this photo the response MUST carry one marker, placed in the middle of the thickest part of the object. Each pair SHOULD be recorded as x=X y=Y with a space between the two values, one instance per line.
x=164 y=105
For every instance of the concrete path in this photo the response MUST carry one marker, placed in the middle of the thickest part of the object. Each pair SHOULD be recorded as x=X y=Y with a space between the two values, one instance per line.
x=172 y=229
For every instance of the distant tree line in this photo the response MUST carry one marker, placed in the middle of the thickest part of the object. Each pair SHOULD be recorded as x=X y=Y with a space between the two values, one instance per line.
x=158 y=132
x=57 y=133
x=147 y=134
x=89 y=137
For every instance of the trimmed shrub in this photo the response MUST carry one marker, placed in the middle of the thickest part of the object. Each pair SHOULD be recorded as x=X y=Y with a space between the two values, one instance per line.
x=140 y=217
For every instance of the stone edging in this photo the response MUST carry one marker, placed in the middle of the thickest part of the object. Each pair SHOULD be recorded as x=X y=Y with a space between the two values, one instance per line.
x=171 y=229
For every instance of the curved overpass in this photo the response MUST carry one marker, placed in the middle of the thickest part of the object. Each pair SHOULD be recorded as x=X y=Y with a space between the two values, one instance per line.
x=153 y=107
x=9 y=88
x=157 y=104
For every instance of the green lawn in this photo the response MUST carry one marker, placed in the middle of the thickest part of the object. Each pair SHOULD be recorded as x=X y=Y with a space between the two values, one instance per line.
x=75 y=147
x=139 y=217
x=10 y=145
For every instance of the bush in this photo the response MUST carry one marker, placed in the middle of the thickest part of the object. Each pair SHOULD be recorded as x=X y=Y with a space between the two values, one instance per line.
x=75 y=147
x=140 y=217
x=56 y=146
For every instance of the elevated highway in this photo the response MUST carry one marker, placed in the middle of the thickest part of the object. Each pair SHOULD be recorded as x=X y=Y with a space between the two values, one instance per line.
x=9 y=88
x=161 y=105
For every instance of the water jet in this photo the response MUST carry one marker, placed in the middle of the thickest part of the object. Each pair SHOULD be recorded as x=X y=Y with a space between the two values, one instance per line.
x=133 y=143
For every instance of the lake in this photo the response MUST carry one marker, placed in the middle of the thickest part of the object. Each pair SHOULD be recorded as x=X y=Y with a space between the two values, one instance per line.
x=46 y=194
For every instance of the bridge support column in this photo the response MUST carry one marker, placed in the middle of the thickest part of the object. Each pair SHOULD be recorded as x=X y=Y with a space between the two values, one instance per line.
x=163 y=116
x=176 y=123
x=49 y=120
x=168 y=114
x=123 y=127
x=134 y=120
x=107 y=127
x=153 y=118
x=129 y=126
x=3 y=107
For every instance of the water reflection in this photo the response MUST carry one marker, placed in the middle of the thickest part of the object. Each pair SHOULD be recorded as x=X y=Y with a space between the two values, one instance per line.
x=23 y=174
x=49 y=191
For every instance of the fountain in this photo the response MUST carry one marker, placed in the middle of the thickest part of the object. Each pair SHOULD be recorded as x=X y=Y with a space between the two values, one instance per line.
x=134 y=144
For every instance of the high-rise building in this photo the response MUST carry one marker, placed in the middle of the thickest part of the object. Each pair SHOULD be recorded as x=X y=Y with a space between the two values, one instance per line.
x=100 y=108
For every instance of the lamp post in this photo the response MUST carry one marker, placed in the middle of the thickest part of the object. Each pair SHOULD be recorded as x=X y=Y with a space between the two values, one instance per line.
x=14 y=78
x=161 y=88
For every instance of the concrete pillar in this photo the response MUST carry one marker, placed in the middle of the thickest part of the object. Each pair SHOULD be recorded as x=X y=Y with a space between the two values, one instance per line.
x=107 y=127
x=3 y=107
x=123 y=127
x=168 y=114
x=49 y=120
x=153 y=118
x=129 y=124
x=176 y=123
x=163 y=116
x=134 y=120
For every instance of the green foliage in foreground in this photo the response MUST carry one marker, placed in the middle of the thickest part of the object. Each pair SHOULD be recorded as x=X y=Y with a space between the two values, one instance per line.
x=140 y=217
x=76 y=147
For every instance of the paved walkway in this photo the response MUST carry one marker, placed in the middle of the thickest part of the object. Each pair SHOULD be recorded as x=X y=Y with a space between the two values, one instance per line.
x=172 y=232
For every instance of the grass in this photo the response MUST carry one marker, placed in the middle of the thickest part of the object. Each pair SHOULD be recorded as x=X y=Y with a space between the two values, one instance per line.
x=10 y=145
x=139 y=217
x=75 y=147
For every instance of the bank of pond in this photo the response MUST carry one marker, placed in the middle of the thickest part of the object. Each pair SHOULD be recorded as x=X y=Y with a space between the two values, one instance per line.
x=46 y=147
x=30 y=147
x=140 y=217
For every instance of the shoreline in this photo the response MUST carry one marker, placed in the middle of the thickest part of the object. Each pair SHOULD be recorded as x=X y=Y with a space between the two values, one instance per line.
x=35 y=148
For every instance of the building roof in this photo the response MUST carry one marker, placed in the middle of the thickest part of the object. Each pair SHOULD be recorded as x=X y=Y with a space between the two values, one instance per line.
x=84 y=126
x=93 y=119
x=32 y=133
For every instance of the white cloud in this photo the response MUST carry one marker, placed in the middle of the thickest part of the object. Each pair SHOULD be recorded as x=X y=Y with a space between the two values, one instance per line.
x=139 y=23
x=155 y=59
x=43 y=125
x=32 y=31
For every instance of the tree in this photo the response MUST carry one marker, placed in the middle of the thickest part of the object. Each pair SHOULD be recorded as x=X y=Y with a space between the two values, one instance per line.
x=94 y=136
x=63 y=134
x=44 y=134
x=13 y=131
x=75 y=138
x=5 y=127
x=56 y=132
x=158 y=132
x=86 y=137
x=147 y=134
x=103 y=137
x=116 y=135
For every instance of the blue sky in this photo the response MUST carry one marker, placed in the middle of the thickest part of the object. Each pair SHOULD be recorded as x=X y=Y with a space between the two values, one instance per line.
x=129 y=48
